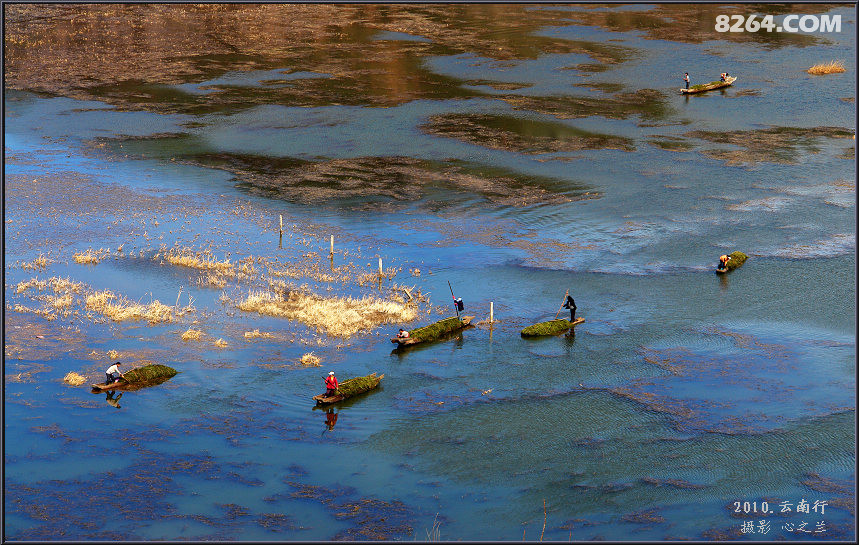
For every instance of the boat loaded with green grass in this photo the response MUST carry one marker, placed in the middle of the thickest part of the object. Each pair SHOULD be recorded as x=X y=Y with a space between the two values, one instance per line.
x=737 y=259
x=349 y=388
x=140 y=377
x=434 y=331
x=552 y=327
x=701 y=87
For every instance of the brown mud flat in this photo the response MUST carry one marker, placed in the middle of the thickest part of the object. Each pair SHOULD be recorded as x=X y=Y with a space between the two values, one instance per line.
x=371 y=518
x=773 y=145
x=648 y=104
x=101 y=51
x=510 y=133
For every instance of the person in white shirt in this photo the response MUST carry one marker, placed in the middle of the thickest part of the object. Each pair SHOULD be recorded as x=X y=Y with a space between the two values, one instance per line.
x=403 y=334
x=113 y=373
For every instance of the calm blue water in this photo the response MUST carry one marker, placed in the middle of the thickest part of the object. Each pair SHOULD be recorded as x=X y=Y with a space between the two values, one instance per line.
x=682 y=393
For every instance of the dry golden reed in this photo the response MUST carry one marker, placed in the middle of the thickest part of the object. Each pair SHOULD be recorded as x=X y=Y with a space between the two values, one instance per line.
x=335 y=316
x=256 y=334
x=74 y=379
x=221 y=343
x=119 y=309
x=310 y=360
x=831 y=67
x=91 y=257
x=192 y=335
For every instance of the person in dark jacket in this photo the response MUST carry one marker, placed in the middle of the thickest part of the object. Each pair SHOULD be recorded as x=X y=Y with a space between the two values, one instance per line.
x=571 y=304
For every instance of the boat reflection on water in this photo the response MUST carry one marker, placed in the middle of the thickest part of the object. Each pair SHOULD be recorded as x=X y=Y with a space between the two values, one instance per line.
x=113 y=401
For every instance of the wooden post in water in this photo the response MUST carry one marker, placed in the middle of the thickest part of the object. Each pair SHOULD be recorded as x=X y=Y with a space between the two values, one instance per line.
x=280 y=239
x=332 y=247
x=380 y=274
x=491 y=312
x=281 y=225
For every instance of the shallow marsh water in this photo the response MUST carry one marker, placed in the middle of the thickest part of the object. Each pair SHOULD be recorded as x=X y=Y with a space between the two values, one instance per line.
x=513 y=151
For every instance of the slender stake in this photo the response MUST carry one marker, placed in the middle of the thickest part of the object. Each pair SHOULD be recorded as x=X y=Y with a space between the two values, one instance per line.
x=491 y=309
x=332 y=245
x=281 y=225
x=544 y=520
x=380 y=268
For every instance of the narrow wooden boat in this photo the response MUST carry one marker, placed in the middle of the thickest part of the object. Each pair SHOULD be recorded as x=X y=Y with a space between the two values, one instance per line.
x=736 y=261
x=434 y=331
x=552 y=327
x=709 y=86
x=140 y=377
x=349 y=388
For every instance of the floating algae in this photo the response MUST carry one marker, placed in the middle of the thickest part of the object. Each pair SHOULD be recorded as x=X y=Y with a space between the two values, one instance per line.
x=552 y=327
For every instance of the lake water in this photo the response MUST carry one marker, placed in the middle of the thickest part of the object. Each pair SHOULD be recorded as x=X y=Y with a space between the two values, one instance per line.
x=513 y=152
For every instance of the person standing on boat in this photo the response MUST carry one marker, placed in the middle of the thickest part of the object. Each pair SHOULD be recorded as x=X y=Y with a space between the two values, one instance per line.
x=723 y=262
x=113 y=373
x=686 y=79
x=571 y=304
x=330 y=384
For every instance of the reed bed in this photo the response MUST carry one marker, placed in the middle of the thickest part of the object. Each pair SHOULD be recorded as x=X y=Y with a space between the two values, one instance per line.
x=91 y=257
x=257 y=334
x=74 y=379
x=40 y=263
x=203 y=260
x=831 y=67
x=334 y=316
x=120 y=309
x=221 y=343
x=310 y=360
x=192 y=335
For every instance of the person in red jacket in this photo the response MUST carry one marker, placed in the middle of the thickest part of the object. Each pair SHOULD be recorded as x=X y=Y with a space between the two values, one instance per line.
x=330 y=384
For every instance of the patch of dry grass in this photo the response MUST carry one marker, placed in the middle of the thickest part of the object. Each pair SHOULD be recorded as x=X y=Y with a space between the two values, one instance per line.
x=831 y=67
x=221 y=343
x=257 y=334
x=187 y=257
x=91 y=257
x=74 y=379
x=310 y=360
x=192 y=335
x=120 y=309
x=40 y=263
x=335 y=316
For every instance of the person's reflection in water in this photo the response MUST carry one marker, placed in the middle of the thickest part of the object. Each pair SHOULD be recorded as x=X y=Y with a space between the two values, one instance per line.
x=113 y=401
x=330 y=419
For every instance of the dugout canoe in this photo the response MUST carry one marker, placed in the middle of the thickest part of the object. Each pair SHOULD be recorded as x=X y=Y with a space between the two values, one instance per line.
x=434 y=331
x=349 y=388
x=552 y=327
x=709 y=86
x=736 y=261
x=139 y=377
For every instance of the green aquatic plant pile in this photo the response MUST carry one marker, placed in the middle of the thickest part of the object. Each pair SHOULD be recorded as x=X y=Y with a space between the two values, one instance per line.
x=436 y=330
x=737 y=259
x=706 y=85
x=152 y=373
x=552 y=327
x=358 y=385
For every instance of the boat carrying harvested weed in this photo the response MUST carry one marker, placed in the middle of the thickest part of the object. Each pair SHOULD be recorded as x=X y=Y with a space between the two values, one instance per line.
x=736 y=260
x=552 y=327
x=433 y=331
x=140 y=377
x=700 y=88
x=349 y=388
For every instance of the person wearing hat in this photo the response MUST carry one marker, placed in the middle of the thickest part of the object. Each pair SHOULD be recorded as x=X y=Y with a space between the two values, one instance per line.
x=113 y=373
x=330 y=384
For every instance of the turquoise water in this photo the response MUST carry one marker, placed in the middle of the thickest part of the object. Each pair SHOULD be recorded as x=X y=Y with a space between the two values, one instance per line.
x=682 y=393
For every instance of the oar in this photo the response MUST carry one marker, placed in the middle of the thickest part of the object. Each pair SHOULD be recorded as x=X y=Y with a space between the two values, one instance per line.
x=562 y=304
